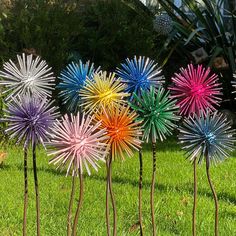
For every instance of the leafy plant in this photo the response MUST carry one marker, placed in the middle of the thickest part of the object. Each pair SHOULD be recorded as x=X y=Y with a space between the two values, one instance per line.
x=113 y=30
x=202 y=26
x=105 y=32
x=45 y=28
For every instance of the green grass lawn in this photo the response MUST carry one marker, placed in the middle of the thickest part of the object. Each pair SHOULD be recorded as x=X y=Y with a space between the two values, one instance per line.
x=173 y=196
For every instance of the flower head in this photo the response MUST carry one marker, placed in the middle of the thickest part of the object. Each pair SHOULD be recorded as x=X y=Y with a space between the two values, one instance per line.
x=141 y=73
x=27 y=76
x=77 y=141
x=30 y=119
x=207 y=136
x=196 y=90
x=103 y=91
x=157 y=112
x=122 y=129
x=72 y=80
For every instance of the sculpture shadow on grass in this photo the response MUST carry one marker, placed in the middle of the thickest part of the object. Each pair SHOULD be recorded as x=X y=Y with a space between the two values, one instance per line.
x=182 y=188
x=49 y=170
x=185 y=187
x=4 y=166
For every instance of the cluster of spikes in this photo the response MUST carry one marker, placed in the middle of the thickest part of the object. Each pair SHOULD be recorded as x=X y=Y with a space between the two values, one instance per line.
x=92 y=94
x=82 y=88
x=208 y=135
x=76 y=140
x=72 y=79
x=29 y=75
x=138 y=81
x=113 y=113
x=140 y=74
x=157 y=112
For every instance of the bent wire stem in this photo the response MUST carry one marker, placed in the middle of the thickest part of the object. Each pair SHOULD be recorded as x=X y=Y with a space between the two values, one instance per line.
x=77 y=141
x=36 y=190
x=71 y=205
x=140 y=191
x=112 y=197
x=214 y=195
x=79 y=203
x=153 y=189
x=209 y=136
x=194 y=197
x=107 y=198
x=25 y=193
x=123 y=132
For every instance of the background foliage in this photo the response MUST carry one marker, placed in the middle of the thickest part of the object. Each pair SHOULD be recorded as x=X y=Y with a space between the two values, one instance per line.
x=108 y=31
x=105 y=32
x=46 y=28
x=204 y=25
x=113 y=31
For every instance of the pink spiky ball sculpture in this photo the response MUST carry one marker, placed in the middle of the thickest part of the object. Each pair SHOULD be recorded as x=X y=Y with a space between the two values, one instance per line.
x=196 y=89
x=76 y=141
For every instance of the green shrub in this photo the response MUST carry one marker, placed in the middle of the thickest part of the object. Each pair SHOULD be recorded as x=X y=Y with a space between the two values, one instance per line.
x=103 y=31
x=46 y=28
x=202 y=26
x=205 y=27
x=113 y=31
